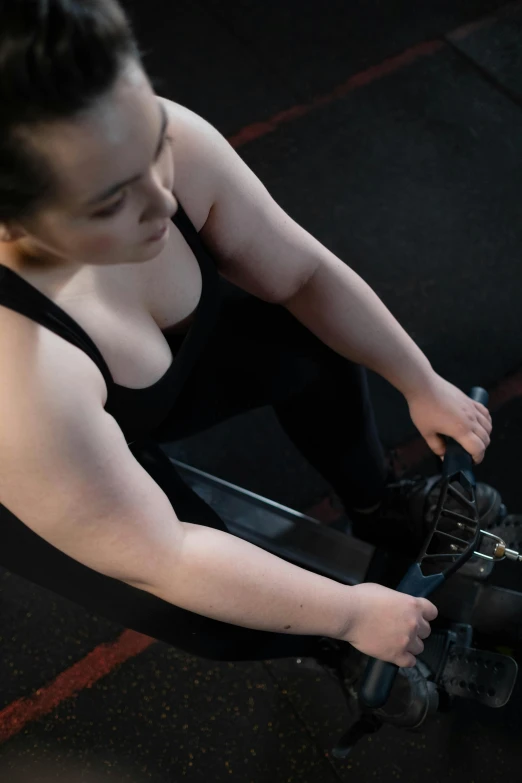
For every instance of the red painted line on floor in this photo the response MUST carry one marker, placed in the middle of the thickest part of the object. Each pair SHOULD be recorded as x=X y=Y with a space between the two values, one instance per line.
x=84 y=674
x=468 y=29
x=259 y=129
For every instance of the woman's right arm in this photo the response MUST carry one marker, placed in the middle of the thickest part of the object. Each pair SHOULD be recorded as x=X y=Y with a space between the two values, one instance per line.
x=67 y=472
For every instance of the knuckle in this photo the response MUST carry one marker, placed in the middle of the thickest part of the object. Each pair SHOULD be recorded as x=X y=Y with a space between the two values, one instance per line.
x=464 y=430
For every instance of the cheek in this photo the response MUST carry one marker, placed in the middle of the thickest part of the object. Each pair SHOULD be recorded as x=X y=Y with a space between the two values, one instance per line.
x=103 y=242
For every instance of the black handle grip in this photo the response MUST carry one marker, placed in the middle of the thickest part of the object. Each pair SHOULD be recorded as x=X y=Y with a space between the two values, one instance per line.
x=456 y=458
x=478 y=394
x=377 y=683
x=379 y=676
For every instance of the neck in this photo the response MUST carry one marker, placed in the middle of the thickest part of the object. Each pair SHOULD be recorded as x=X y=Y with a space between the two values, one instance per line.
x=44 y=273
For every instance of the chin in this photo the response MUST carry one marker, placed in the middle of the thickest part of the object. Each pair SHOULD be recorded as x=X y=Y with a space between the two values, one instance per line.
x=146 y=255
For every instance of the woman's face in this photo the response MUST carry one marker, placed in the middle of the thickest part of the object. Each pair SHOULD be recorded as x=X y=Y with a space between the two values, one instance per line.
x=115 y=175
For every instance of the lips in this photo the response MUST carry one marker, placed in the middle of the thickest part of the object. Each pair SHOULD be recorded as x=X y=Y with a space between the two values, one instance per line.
x=158 y=235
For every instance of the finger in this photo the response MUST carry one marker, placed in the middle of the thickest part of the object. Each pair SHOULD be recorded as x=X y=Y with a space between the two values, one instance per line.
x=424 y=629
x=474 y=446
x=405 y=661
x=437 y=445
x=429 y=611
x=477 y=448
x=482 y=409
x=481 y=433
x=416 y=646
x=484 y=416
x=484 y=422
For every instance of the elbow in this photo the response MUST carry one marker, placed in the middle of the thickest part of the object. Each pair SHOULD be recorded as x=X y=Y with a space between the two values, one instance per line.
x=302 y=286
x=160 y=562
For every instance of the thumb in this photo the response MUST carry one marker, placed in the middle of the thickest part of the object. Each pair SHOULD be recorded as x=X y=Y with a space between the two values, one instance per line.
x=437 y=445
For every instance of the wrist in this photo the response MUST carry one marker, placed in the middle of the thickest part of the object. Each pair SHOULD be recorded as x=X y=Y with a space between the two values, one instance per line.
x=421 y=381
x=353 y=610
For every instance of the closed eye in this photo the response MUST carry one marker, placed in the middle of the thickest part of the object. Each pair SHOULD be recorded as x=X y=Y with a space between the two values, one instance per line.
x=114 y=208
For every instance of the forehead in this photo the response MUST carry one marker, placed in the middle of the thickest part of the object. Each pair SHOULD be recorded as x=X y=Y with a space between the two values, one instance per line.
x=109 y=143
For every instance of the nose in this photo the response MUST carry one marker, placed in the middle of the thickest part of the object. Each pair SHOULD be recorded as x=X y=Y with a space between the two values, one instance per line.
x=161 y=202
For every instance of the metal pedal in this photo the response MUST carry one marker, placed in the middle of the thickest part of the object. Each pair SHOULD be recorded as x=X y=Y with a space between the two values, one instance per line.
x=438 y=645
x=483 y=676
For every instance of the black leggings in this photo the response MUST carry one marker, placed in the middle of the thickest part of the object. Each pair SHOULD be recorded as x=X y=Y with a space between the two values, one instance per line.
x=258 y=355
x=261 y=355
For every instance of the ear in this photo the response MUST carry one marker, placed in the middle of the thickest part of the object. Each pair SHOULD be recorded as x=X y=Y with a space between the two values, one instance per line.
x=10 y=233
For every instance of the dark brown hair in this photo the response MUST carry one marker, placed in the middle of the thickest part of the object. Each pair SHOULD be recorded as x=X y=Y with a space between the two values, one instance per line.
x=56 y=58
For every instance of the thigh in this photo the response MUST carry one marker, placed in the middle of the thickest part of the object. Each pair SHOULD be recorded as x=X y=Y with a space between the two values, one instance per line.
x=259 y=354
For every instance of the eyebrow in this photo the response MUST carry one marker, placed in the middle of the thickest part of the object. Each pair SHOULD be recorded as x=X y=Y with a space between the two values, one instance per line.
x=115 y=188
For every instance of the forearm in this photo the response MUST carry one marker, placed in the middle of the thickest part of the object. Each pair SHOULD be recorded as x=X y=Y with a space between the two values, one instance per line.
x=348 y=316
x=218 y=575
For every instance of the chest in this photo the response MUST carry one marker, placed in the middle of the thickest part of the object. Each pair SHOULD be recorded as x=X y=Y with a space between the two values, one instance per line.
x=132 y=308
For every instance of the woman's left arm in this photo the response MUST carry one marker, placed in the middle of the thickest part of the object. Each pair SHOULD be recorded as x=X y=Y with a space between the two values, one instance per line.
x=346 y=314
x=261 y=249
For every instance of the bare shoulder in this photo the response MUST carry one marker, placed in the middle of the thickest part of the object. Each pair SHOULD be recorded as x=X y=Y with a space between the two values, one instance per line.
x=48 y=396
x=190 y=128
x=66 y=470
x=198 y=149
x=247 y=231
x=35 y=363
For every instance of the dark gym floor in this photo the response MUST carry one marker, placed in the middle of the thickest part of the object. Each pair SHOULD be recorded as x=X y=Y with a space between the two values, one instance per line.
x=404 y=157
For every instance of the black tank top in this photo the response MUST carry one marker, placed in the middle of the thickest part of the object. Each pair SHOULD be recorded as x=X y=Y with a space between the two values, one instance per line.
x=137 y=411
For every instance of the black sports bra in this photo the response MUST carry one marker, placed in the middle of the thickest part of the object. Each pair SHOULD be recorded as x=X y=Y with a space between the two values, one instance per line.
x=137 y=411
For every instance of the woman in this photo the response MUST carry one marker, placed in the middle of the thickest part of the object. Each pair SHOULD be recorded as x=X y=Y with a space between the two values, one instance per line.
x=113 y=338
